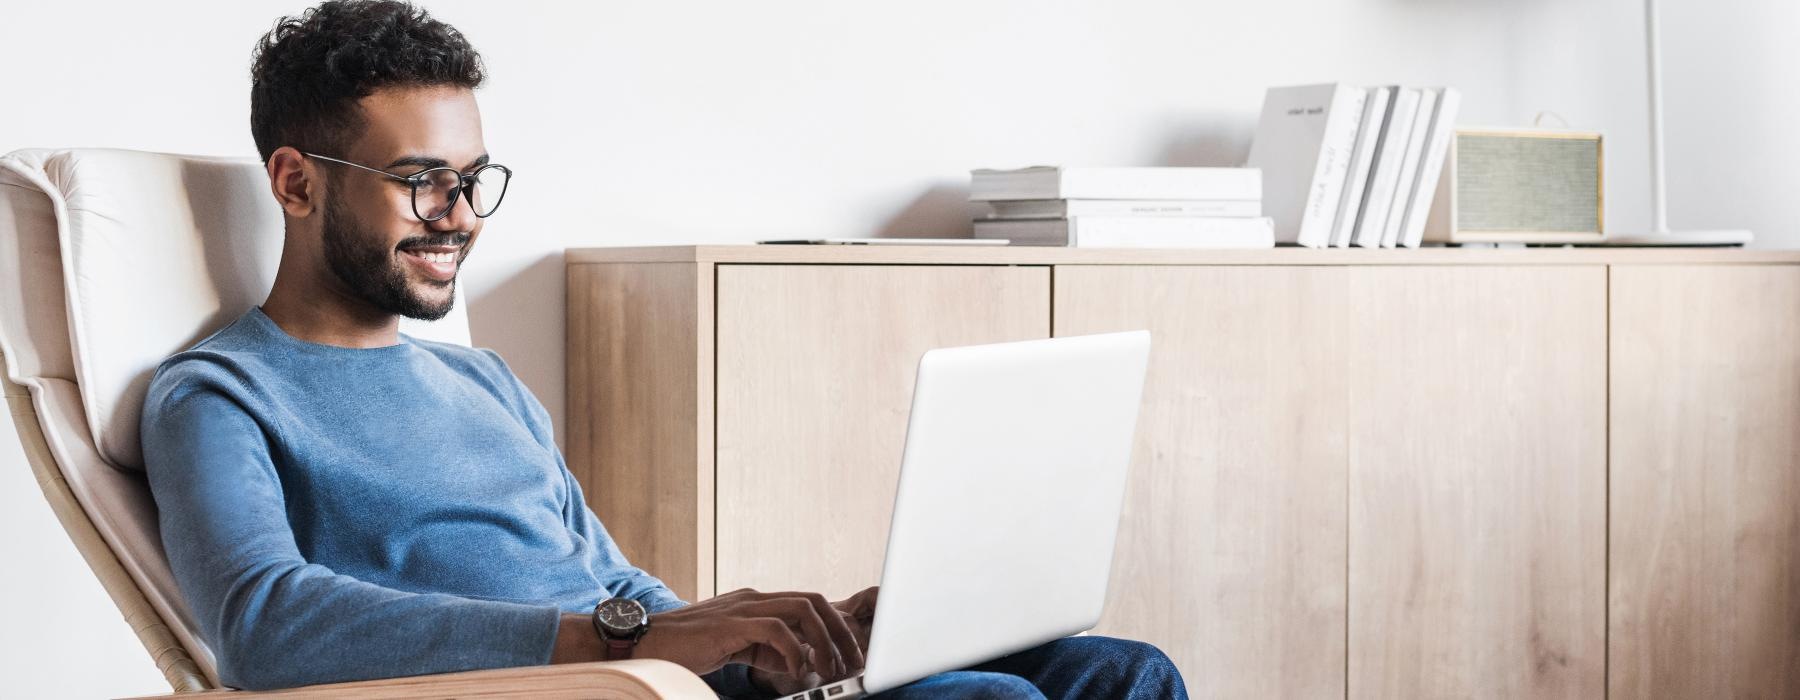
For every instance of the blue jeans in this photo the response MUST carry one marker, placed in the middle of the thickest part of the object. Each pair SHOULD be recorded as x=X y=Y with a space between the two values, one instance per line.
x=1073 y=667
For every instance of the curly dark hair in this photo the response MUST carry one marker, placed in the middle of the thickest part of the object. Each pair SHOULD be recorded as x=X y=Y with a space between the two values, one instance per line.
x=309 y=71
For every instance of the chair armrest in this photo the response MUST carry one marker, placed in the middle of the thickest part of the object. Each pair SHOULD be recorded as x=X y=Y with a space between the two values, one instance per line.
x=637 y=679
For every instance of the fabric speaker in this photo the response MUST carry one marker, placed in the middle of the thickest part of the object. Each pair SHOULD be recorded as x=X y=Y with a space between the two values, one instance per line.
x=1520 y=186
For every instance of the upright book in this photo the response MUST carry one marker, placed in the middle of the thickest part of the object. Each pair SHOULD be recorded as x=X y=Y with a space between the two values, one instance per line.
x=1384 y=173
x=1051 y=182
x=1431 y=167
x=1303 y=145
x=1409 y=167
x=1356 y=178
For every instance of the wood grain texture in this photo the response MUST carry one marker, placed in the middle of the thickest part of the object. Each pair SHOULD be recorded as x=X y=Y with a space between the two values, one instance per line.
x=815 y=377
x=1477 y=482
x=1231 y=548
x=1705 y=491
x=640 y=412
x=1040 y=255
x=637 y=679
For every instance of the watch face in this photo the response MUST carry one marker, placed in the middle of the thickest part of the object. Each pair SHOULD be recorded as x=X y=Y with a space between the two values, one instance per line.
x=621 y=615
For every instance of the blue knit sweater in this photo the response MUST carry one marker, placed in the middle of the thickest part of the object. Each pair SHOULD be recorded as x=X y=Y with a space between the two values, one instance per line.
x=335 y=514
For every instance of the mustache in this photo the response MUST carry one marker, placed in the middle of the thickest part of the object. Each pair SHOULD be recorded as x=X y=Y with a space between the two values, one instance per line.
x=455 y=240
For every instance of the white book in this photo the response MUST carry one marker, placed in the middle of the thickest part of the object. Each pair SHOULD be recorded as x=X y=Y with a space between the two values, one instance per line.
x=1062 y=208
x=1378 y=197
x=1409 y=167
x=1134 y=232
x=1053 y=182
x=1356 y=178
x=1303 y=144
x=1425 y=182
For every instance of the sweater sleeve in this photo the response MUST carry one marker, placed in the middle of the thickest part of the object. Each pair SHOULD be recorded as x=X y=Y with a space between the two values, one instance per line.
x=620 y=578
x=272 y=618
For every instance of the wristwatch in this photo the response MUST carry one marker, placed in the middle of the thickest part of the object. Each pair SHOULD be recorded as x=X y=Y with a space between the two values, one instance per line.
x=621 y=622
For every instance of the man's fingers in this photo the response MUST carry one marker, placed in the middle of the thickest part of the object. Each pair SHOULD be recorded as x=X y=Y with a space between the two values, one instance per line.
x=840 y=632
x=862 y=605
x=799 y=613
x=859 y=612
x=863 y=628
x=839 y=643
x=772 y=633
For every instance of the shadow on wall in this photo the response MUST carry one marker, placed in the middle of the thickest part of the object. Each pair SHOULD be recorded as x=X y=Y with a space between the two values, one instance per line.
x=943 y=211
x=503 y=318
x=1214 y=139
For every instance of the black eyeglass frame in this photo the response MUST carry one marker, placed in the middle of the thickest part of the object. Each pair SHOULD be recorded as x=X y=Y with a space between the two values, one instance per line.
x=464 y=185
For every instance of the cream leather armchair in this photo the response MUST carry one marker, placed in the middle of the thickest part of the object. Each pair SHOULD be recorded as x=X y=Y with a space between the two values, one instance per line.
x=110 y=261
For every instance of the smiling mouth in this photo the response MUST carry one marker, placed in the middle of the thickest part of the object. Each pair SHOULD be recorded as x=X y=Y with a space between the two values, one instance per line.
x=436 y=262
x=433 y=256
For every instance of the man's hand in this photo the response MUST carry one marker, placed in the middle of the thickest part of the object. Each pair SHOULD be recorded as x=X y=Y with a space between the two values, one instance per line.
x=795 y=634
x=858 y=612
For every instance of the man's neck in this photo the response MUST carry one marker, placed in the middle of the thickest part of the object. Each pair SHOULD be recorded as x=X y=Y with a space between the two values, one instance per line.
x=320 y=312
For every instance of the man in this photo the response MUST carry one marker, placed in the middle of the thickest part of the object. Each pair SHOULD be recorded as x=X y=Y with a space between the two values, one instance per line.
x=340 y=501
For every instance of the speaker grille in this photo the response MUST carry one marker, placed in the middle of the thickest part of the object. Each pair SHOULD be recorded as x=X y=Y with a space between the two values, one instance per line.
x=1527 y=183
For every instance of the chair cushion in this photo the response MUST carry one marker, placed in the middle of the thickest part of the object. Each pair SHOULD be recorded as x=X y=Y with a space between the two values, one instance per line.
x=34 y=328
x=158 y=252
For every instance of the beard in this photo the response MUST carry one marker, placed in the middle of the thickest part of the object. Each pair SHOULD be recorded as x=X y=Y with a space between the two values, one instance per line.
x=375 y=273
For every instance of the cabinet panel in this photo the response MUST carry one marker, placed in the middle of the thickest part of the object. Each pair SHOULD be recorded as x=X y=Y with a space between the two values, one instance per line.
x=1705 y=531
x=815 y=374
x=640 y=420
x=1477 y=481
x=1231 y=549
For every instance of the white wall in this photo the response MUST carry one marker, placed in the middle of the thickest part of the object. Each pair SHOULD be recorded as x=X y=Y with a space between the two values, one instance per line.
x=654 y=123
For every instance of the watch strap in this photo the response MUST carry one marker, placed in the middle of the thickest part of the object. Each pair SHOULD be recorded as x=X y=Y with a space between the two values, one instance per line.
x=617 y=648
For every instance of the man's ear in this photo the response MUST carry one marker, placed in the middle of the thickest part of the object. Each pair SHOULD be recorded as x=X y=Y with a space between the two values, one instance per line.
x=294 y=181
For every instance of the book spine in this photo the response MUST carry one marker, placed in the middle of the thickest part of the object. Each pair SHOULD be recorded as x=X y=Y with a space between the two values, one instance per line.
x=1379 y=197
x=1040 y=232
x=988 y=185
x=1110 y=232
x=1334 y=161
x=1443 y=127
x=1409 y=167
x=1116 y=183
x=1062 y=208
x=1157 y=183
x=1356 y=179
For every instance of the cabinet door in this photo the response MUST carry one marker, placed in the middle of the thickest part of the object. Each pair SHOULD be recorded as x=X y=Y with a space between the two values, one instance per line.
x=1477 y=469
x=1231 y=549
x=1705 y=531
x=815 y=375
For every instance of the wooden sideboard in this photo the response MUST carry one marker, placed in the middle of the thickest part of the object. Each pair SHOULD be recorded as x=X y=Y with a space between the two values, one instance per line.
x=1368 y=473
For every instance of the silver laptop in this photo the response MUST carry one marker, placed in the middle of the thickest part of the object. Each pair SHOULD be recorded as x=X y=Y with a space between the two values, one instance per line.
x=1008 y=504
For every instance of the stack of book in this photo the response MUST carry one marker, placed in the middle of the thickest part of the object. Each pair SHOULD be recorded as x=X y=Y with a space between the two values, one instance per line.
x=1347 y=165
x=1123 y=207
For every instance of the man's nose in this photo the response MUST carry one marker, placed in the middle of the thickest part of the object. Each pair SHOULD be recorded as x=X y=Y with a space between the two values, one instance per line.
x=461 y=217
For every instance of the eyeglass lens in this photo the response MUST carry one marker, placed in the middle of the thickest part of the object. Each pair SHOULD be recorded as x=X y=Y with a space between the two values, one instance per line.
x=439 y=189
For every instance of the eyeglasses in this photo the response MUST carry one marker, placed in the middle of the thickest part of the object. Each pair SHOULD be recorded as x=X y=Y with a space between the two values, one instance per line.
x=434 y=191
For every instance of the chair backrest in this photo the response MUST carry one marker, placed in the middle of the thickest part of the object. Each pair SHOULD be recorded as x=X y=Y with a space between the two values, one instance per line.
x=110 y=261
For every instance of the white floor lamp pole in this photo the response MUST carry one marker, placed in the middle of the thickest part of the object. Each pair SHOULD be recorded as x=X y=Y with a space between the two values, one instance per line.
x=1658 y=189
x=1660 y=233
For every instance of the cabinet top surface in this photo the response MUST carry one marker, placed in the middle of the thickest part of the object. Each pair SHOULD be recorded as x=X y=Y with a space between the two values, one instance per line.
x=963 y=255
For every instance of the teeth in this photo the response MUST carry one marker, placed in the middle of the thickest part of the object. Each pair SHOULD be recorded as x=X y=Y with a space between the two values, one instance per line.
x=437 y=257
